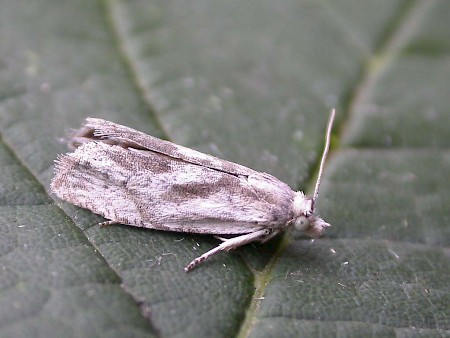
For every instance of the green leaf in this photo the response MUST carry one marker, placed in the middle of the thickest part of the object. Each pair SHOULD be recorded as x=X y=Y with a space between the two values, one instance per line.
x=251 y=82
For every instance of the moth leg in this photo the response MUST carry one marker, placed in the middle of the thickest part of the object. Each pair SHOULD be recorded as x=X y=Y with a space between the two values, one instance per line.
x=232 y=243
x=270 y=236
x=223 y=239
x=262 y=240
x=106 y=223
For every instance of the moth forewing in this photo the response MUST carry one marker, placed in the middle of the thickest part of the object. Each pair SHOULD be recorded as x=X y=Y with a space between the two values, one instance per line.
x=112 y=133
x=132 y=178
x=159 y=192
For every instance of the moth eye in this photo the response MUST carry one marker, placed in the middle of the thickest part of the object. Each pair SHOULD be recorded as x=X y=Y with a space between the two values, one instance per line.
x=301 y=223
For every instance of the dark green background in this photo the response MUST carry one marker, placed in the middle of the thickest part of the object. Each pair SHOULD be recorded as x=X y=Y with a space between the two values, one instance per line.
x=251 y=82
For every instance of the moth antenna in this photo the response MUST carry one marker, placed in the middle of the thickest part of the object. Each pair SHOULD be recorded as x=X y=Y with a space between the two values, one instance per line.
x=324 y=154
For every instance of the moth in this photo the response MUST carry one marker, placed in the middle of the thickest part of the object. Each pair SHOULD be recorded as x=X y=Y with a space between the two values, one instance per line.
x=133 y=178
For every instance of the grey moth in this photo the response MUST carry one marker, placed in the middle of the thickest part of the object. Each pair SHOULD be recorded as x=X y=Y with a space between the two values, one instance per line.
x=133 y=178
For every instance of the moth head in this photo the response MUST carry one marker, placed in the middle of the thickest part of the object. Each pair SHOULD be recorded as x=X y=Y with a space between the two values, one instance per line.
x=304 y=218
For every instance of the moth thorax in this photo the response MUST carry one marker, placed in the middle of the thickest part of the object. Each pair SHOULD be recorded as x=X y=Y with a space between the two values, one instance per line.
x=302 y=205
